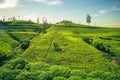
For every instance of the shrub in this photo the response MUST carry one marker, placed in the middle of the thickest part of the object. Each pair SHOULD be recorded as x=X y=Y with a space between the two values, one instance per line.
x=88 y=40
x=78 y=73
x=6 y=74
x=102 y=47
x=75 y=78
x=2 y=57
x=10 y=56
x=37 y=67
x=56 y=47
x=99 y=75
x=25 y=44
x=59 y=78
x=58 y=71
x=46 y=76
x=114 y=77
x=55 y=71
x=15 y=64
x=28 y=76
x=14 y=37
x=93 y=79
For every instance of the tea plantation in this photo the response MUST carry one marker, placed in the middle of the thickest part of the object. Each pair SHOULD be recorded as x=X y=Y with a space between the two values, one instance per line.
x=74 y=52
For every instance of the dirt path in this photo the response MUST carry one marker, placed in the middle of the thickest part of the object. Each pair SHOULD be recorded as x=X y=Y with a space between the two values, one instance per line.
x=52 y=41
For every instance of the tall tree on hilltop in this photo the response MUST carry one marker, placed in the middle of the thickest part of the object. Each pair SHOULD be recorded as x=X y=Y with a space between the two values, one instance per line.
x=88 y=19
x=3 y=18
x=38 y=20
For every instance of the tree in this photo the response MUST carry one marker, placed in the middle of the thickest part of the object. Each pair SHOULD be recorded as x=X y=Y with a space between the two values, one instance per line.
x=45 y=24
x=14 y=18
x=88 y=19
x=3 y=18
x=38 y=20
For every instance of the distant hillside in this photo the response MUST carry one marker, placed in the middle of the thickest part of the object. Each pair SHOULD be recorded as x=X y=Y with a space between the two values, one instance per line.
x=16 y=22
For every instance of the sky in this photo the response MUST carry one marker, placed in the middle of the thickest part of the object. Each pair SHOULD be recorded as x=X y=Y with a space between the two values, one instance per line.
x=103 y=12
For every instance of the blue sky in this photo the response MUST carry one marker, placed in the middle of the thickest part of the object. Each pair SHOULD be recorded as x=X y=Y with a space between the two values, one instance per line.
x=103 y=12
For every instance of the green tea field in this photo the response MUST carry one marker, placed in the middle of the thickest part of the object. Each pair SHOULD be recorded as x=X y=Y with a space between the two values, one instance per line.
x=58 y=52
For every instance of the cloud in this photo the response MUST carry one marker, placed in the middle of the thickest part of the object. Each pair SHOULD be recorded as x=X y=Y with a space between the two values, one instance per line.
x=116 y=5
x=103 y=11
x=50 y=2
x=8 y=4
x=32 y=16
x=21 y=6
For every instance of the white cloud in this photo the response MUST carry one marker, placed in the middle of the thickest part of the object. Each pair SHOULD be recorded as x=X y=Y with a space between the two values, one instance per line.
x=32 y=16
x=50 y=2
x=9 y=4
x=115 y=7
x=21 y=6
x=103 y=11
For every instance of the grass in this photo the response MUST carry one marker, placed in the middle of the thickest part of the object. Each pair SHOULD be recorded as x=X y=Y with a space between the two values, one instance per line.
x=7 y=44
x=60 y=46
x=77 y=54
x=23 y=36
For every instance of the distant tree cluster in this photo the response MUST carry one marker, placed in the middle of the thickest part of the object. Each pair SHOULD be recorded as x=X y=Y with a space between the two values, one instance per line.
x=65 y=23
x=9 y=19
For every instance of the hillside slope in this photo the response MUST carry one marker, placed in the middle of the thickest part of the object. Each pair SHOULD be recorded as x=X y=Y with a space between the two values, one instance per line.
x=7 y=44
x=75 y=52
x=65 y=46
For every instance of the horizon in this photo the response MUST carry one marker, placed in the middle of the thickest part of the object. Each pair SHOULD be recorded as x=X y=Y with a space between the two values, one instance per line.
x=103 y=13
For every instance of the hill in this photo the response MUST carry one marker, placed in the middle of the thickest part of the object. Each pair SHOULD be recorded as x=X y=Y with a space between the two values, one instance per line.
x=70 y=52
x=7 y=44
x=65 y=46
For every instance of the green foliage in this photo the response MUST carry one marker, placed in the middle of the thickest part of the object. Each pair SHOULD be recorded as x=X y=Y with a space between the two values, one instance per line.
x=92 y=79
x=114 y=77
x=22 y=35
x=59 y=78
x=2 y=57
x=79 y=74
x=57 y=71
x=88 y=19
x=99 y=75
x=75 y=78
x=65 y=23
x=37 y=66
x=98 y=45
x=88 y=40
x=77 y=54
x=104 y=76
x=89 y=62
x=102 y=47
x=6 y=74
x=28 y=76
x=25 y=44
x=14 y=37
x=7 y=44
x=17 y=63
x=46 y=76
x=56 y=47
